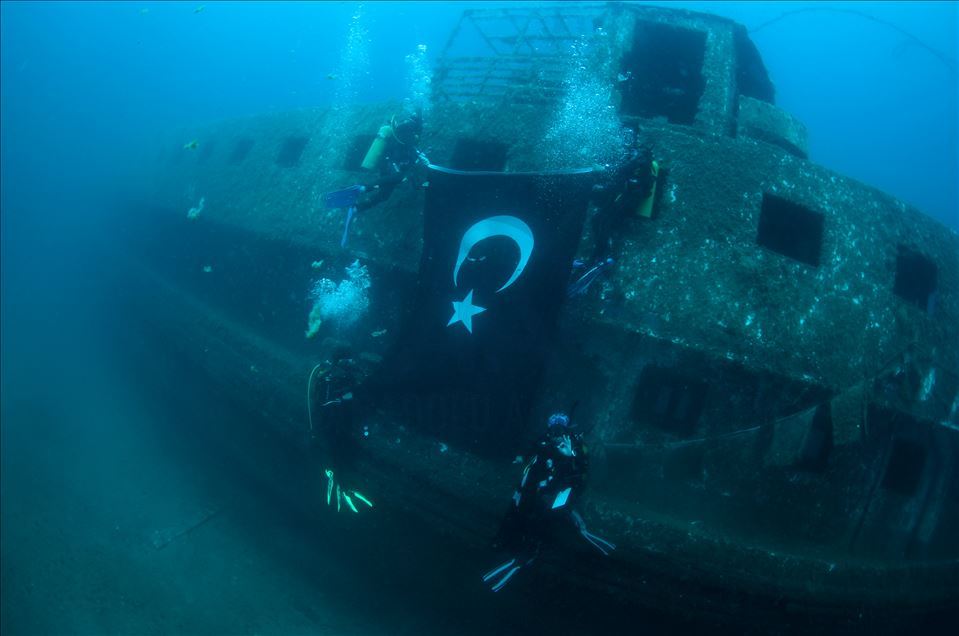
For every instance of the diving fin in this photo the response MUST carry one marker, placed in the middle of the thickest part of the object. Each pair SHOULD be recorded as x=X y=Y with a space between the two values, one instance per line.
x=598 y=542
x=510 y=567
x=345 y=198
x=346 y=228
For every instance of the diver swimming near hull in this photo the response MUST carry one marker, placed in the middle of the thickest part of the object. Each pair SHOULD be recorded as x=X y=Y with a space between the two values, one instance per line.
x=629 y=192
x=554 y=476
x=393 y=155
x=331 y=400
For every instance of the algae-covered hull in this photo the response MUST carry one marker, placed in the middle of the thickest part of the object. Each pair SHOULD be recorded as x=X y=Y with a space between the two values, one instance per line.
x=767 y=377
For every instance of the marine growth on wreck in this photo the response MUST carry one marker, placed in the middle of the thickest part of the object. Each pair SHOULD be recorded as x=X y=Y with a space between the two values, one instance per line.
x=585 y=268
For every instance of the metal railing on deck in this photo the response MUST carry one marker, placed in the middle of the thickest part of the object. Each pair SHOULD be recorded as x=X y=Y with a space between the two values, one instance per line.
x=519 y=55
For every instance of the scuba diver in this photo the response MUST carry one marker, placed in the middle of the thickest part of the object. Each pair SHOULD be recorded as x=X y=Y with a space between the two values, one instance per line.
x=392 y=155
x=630 y=191
x=553 y=478
x=330 y=397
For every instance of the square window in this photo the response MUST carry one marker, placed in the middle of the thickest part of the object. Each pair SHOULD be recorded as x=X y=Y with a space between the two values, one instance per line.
x=790 y=229
x=917 y=278
x=290 y=151
x=240 y=151
x=664 y=73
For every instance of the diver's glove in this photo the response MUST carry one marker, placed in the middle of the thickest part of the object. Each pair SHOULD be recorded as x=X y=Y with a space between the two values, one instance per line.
x=597 y=542
x=343 y=496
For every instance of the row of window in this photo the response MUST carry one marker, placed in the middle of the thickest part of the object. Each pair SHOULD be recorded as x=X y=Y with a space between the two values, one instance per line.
x=672 y=401
x=288 y=156
x=796 y=231
x=468 y=154
x=784 y=227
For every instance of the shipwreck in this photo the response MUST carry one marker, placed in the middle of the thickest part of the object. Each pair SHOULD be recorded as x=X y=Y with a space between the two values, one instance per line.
x=767 y=376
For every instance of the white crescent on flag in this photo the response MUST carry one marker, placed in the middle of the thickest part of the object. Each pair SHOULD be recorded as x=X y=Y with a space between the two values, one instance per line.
x=508 y=226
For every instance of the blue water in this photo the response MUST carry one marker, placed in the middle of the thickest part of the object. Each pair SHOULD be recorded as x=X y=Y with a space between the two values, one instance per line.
x=87 y=81
x=85 y=86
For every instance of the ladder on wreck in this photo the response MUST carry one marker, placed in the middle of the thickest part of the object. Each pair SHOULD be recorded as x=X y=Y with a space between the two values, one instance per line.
x=514 y=55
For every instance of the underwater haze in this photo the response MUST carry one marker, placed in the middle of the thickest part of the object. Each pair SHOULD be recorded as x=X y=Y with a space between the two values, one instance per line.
x=122 y=508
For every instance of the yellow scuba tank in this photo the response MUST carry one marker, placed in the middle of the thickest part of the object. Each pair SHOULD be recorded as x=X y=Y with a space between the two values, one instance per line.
x=375 y=154
x=645 y=208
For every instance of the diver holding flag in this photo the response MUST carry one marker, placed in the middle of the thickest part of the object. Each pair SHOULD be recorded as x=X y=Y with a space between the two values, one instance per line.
x=392 y=155
x=629 y=192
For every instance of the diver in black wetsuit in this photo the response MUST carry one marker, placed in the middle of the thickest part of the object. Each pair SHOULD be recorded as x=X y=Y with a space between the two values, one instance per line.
x=620 y=198
x=394 y=159
x=554 y=475
x=629 y=192
x=393 y=155
x=335 y=440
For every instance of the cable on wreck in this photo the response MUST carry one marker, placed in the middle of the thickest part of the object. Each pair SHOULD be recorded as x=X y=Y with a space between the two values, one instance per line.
x=942 y=57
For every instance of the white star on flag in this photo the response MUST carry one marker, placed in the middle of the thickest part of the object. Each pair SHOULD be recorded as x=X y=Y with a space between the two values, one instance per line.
x=464 y=311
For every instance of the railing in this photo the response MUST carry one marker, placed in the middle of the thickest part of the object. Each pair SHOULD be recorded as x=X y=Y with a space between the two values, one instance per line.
x=519 y=55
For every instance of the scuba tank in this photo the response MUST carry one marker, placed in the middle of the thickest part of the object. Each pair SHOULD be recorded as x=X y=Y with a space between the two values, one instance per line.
x=645 y=208
x=375 y=154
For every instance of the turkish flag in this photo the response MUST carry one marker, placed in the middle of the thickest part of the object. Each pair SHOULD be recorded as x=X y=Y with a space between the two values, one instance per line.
x=496 y=261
